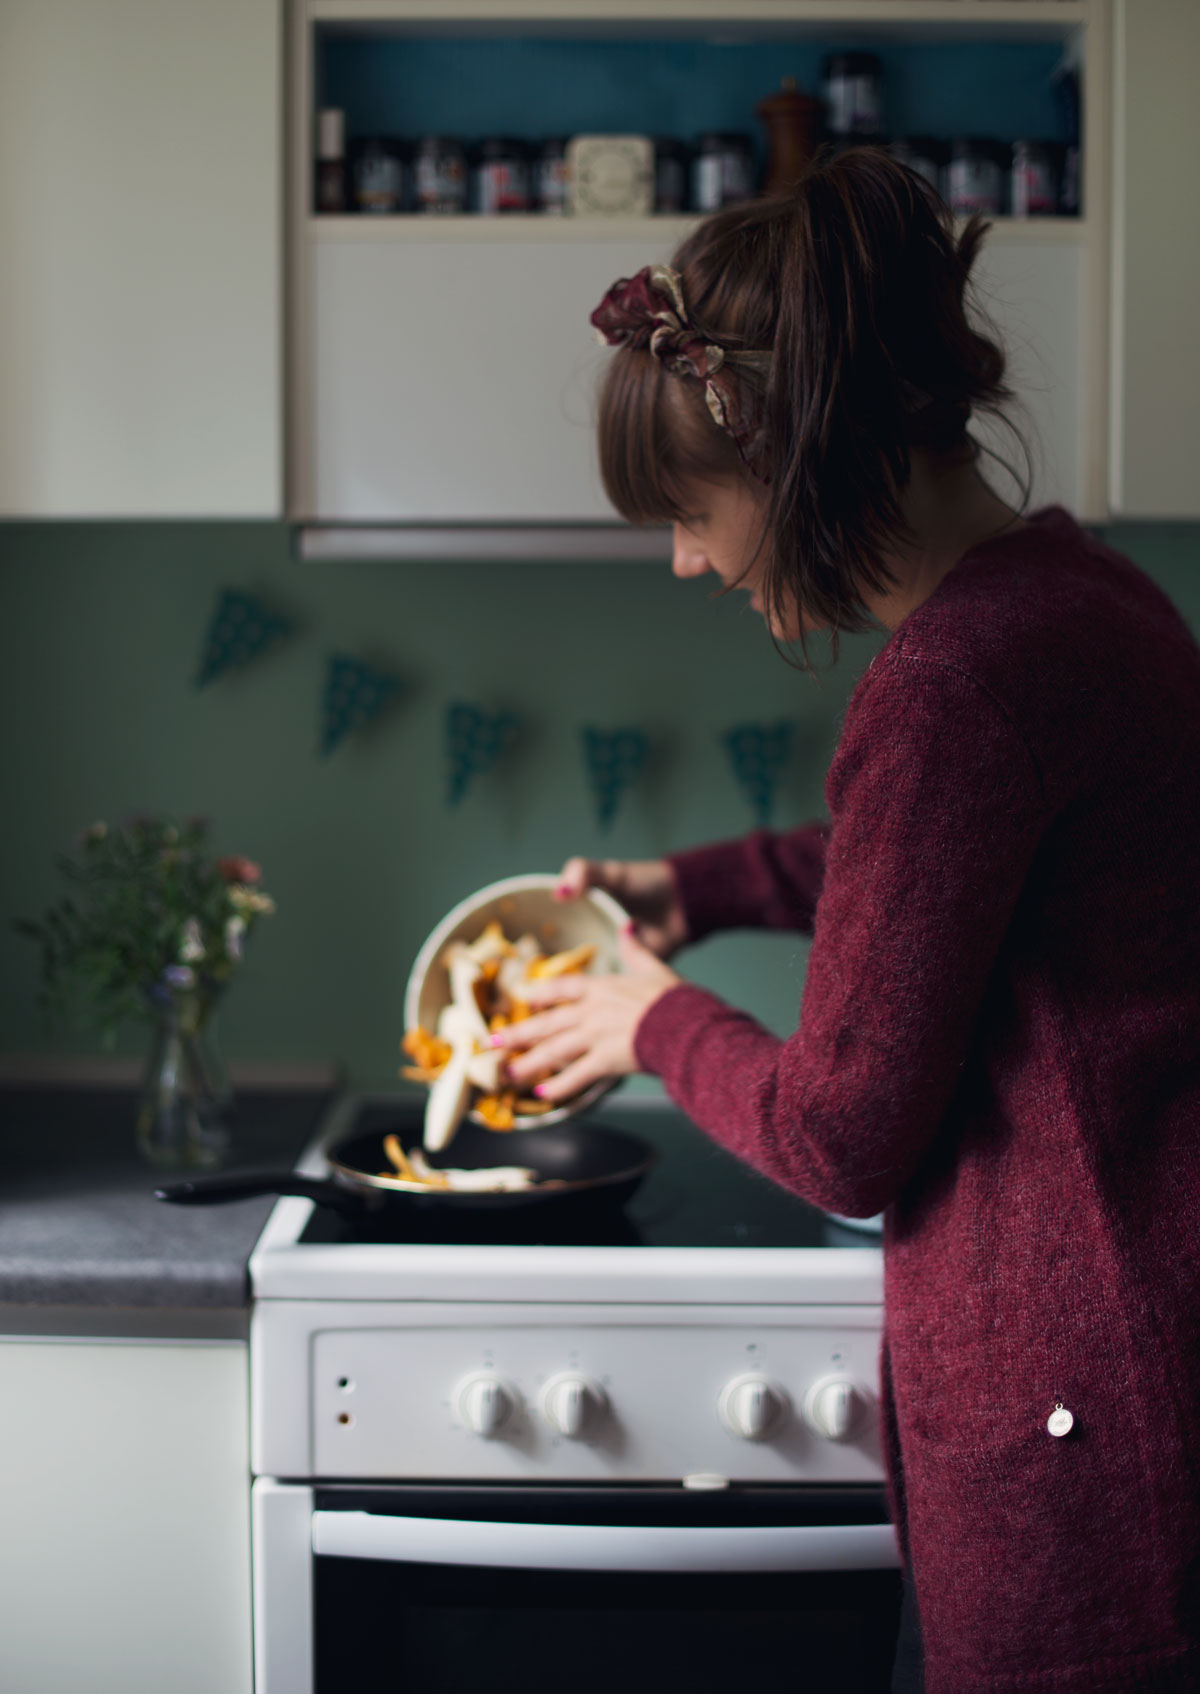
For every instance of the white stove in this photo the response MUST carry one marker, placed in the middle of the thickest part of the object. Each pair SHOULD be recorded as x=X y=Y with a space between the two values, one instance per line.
x=685 y=1387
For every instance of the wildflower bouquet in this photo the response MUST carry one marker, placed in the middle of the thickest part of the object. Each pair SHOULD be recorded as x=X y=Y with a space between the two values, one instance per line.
x=154 y=925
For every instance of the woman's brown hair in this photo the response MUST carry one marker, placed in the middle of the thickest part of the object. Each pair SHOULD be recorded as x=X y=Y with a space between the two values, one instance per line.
x=855 y=281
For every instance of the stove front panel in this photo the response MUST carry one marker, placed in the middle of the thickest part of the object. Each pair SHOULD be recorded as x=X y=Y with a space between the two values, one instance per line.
x=566 y=1393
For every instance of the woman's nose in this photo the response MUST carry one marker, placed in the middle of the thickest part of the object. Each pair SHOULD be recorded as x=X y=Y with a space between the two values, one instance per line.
x=688 y=557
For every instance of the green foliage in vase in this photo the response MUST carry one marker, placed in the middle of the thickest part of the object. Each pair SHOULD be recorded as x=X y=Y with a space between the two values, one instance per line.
x=153 y=924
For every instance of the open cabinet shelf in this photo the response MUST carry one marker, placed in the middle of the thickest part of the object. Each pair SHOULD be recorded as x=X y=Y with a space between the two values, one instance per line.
x=442 y=368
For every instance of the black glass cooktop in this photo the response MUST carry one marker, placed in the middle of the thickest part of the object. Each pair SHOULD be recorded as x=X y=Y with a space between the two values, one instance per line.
x=695 y=1195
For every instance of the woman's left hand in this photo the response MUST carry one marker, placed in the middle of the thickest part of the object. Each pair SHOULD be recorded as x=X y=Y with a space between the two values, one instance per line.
x=585 y=1026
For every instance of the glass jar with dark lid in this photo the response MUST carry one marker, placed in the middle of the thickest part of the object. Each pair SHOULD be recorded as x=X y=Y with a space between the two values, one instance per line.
x=1034 y=180
x=377 y=174
x=853 y=89
x=924 y=154
x=440 y=175
x=976 y=176
x=670 y=174
x=502 y=176
x=550 y=176
x=722 y=171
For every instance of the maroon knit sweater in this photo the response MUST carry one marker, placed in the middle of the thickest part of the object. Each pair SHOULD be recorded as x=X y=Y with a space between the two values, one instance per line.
x=999 y=1043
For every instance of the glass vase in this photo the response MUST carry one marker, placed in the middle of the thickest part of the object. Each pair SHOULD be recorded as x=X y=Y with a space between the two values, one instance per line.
x=186 y=1100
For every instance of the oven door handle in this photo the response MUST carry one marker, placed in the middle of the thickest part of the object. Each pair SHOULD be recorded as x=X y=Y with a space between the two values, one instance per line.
x=604 y=1547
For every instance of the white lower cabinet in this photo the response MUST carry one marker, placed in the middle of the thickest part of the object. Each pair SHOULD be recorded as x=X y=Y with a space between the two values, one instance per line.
x=125 y=1480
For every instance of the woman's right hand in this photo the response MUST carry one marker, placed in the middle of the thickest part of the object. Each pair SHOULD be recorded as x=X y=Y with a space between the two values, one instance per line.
x=645 y=887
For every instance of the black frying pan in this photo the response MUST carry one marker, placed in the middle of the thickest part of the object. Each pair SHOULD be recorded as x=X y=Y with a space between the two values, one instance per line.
x=570 y=1159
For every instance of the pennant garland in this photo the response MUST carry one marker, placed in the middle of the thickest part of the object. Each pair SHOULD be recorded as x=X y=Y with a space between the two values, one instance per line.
x=355 y=694
x=242 y=627
x=758 y=753
x=613 y=760
x=475 y=739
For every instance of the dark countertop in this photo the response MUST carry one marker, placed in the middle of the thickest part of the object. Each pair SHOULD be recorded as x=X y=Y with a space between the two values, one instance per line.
x=80 y=1228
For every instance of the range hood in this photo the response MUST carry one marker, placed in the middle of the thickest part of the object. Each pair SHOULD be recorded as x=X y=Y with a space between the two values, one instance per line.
x=467 y=541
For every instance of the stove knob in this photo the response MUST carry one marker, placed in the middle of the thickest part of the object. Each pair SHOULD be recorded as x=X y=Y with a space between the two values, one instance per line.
x=751 y=1406
x=483 y=1402
x=569 y=1401
x=833 y=1407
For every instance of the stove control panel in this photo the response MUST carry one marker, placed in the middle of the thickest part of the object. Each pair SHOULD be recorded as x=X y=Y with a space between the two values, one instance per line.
x=434 y=1390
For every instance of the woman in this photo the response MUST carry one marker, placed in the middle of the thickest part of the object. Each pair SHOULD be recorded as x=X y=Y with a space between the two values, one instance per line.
x=999 y=1042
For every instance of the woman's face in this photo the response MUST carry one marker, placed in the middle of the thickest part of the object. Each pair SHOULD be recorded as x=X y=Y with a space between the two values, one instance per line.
x=721 y=529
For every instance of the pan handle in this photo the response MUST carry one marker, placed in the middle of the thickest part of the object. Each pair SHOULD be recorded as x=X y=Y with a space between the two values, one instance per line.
x=244 y=1185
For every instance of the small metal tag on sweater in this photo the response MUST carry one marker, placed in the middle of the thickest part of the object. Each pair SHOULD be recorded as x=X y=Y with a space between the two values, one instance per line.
x=1060 y=1421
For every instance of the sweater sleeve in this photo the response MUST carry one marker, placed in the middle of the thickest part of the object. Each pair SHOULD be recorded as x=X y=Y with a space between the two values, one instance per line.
x=937 y=810
x=767 y=880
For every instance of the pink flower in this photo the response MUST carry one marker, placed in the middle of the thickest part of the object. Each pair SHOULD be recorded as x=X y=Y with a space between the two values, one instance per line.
x=237 y=869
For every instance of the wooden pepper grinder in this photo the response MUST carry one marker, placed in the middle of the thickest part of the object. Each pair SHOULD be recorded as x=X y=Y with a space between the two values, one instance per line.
x=790 y=118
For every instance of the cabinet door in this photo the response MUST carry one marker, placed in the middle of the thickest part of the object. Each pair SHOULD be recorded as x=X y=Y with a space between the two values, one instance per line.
x=140 y=210
x=125 y=1558
x=1033 y=293
x=454 y=381
x=1156 y=348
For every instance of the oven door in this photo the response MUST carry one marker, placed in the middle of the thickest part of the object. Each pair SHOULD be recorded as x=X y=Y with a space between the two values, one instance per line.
x=440 y=1589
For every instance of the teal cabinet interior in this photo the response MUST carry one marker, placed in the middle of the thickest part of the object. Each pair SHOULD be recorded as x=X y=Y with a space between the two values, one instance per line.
x=537 y=86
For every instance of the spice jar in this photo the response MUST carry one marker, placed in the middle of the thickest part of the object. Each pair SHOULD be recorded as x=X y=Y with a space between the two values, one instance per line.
x=853 y=89
x=440 y=175
x=925 y=155
x=975 y=180
x=721 y=171
x=550 y=177
x=331 y=184
x=501 y=176
x=670 y=174
x=378 y=174
x=1034 y=180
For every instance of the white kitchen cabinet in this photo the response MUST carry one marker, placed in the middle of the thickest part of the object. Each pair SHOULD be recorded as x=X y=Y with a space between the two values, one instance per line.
x=443 y=372
x=1156 y=261
x=140 y=258
x=486 y=415
x=125 y=1559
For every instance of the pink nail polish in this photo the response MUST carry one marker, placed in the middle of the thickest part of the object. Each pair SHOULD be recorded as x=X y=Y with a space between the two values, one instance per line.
x=539 y=1091
x=497 y=1040
x=562 y=892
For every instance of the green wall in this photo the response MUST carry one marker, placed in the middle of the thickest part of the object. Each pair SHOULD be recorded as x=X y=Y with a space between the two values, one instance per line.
x=100 y=632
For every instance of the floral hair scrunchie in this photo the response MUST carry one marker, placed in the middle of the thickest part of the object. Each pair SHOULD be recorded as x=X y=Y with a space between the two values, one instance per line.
x=647 y=310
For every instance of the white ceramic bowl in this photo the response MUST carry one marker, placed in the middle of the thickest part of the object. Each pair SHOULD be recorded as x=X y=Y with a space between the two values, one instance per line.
x=519 y=904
